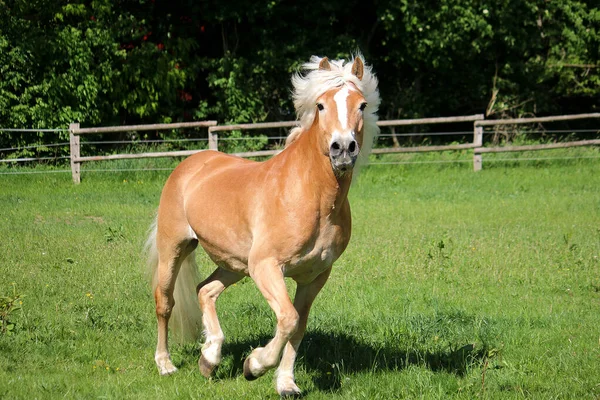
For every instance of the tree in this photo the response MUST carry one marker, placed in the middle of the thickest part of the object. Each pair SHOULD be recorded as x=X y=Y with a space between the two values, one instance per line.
x=103 y=62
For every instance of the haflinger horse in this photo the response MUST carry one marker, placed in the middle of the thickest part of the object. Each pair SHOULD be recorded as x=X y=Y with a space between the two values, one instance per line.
x=288 y=216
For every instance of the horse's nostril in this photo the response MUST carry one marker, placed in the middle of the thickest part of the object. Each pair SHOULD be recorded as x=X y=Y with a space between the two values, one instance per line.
x=352 y=147
x=346 y=148
x=336 y=149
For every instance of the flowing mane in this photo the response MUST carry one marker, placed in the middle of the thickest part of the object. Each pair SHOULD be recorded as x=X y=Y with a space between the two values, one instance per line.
x=314 y=82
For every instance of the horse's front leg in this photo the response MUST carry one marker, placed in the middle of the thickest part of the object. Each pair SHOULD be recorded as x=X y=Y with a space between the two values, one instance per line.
x=305 y=295
x=270 y=281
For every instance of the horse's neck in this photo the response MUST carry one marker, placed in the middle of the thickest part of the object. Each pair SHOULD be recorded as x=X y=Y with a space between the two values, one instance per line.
x=306 y=155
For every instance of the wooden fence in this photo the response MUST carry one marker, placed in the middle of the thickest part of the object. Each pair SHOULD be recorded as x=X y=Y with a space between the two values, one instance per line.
x=75 y=131
x=478 y=136
x=213 y=138
x=428 y=121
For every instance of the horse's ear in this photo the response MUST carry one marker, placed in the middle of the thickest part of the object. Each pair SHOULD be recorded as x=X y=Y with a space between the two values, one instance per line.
x=324 y=64
x=358 y=68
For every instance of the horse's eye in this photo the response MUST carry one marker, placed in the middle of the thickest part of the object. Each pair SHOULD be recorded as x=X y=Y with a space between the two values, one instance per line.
x=320 y=106
x=363 y=106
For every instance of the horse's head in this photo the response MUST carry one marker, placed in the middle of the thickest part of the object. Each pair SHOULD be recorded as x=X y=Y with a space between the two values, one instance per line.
x=339 y=116
x=338 y=101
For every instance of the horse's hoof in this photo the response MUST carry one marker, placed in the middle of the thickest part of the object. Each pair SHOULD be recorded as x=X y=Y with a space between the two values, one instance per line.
x=286 y=387
x=247 y=373
x=291 y=392
x=206 y=368
x=167 y=369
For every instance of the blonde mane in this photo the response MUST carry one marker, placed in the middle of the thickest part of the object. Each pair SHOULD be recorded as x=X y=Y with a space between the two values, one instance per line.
x=310 y=86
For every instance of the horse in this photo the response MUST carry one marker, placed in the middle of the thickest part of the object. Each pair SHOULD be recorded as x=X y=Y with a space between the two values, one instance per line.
x=288 y=216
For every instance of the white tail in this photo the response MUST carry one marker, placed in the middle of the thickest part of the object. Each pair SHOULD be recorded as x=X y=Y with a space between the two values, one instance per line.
x=186 y=318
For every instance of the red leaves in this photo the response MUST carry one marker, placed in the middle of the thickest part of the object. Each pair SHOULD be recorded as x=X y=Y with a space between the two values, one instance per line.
x=183 y=95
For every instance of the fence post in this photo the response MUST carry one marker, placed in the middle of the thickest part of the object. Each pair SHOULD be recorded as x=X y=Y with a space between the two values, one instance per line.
x=213 y=139
x=477 y=142
x=75 y=152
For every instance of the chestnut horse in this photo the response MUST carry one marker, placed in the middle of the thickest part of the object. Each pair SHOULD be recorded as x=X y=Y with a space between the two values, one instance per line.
x=285 y=217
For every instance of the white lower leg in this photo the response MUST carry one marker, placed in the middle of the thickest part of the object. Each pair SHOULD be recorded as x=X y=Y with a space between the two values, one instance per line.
x=285 y=381
x=164 y=364
x=256 y=367
x=286 y=384
x=264 y=358
x=211 y=350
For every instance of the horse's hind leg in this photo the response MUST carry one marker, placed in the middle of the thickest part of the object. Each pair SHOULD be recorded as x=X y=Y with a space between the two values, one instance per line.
x=170 y=256
x=208 y=292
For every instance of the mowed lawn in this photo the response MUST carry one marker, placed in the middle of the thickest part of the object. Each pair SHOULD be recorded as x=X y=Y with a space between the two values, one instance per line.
x=455 y=285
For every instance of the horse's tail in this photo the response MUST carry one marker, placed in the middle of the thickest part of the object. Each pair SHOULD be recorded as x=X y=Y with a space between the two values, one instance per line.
x=186 y=318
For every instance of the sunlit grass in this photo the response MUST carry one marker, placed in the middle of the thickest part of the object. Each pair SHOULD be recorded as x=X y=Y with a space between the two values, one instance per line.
x=455 y=285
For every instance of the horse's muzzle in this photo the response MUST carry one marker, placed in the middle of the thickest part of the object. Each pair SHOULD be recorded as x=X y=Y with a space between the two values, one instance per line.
x=343 y=153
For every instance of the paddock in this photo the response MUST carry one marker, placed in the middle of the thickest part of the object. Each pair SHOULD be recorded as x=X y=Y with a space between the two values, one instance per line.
x=478 y=285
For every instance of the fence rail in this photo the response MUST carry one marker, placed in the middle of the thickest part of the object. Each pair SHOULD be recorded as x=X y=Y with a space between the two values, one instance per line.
x=75 y=131
x=75 y=144
x=535 y=147
x=427 y=121
x=519 y=121
x=479 y=150
x=420 y=149
x=150 y=127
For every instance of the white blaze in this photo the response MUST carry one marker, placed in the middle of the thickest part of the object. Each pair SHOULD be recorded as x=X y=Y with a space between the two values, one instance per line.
x=342 y=106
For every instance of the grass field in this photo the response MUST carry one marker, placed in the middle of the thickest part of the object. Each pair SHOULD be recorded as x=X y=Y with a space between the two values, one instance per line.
x=455 y=285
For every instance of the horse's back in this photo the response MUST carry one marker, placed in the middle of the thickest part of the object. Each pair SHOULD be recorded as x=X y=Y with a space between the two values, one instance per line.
x=201 y=165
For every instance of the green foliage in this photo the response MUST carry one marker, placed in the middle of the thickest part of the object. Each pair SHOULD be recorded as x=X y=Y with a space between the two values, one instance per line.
x=8 y=305
x=114 y=234
x=106 y=63
x=512 y=58
x=235 y=142
x=230 y=80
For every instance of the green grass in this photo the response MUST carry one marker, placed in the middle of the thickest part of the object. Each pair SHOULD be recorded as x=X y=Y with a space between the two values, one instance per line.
x=455 y=285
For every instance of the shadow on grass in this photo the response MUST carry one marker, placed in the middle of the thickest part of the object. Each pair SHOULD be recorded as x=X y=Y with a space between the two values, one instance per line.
x=327 y=356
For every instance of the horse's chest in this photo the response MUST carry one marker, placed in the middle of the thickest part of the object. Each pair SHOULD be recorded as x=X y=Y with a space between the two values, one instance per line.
x=318 y=255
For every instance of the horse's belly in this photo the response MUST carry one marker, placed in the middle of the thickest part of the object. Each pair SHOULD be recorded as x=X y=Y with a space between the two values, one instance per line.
x=229 y=259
